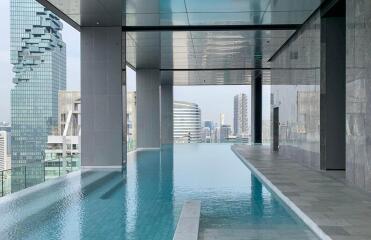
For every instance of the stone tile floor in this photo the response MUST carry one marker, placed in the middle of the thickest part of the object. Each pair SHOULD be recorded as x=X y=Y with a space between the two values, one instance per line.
x=340 y=210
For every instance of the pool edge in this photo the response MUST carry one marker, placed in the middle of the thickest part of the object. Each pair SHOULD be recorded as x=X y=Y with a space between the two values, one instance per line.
x=301 y=215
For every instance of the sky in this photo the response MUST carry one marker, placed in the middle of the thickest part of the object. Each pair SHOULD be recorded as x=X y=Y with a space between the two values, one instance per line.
x=212 y=100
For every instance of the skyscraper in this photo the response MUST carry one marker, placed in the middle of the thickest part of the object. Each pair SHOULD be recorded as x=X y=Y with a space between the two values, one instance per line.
x=225 y=132
x=38 y=55
x=240 y=114
x=221 y=119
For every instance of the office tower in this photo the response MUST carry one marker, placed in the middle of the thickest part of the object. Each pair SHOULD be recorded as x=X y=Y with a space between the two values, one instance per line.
x=187 y=122
x=206 y=135
x=240 y=115
x=225 y=132
x=221 y=119
x=131 y=120
x=38 y=55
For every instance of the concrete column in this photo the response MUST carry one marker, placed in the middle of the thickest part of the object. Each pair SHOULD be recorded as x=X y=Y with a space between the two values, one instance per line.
x=256 y=80
x=102 y=94
x=148 y=108
x=166 y=109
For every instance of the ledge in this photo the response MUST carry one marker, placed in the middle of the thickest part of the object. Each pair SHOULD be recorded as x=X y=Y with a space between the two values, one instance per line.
x=189 y=220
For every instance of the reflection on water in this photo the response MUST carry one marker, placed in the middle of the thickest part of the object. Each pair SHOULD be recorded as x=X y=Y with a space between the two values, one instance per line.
x=144 y=202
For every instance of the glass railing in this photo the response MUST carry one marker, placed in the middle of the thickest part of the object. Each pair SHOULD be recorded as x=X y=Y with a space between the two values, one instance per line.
x=30 y=174
x=131 y=145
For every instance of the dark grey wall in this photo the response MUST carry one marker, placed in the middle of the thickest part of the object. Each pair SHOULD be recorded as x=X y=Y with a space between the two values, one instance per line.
x=332 y=93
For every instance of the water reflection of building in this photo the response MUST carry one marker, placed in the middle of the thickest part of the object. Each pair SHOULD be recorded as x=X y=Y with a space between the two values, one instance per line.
x=308 y=114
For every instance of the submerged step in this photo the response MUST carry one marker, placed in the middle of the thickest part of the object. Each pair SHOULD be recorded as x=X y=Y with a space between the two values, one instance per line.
x=189 y=220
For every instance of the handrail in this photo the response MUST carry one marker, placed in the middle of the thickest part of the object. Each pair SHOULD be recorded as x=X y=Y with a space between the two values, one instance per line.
x=18 y=178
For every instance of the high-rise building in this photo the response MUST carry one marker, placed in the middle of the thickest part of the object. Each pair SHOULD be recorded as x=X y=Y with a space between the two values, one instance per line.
x=38 y=55
x=209 y=124
x=5 y=126
x=206 y=135
x=225 y=132
x=187 y=122
x=221 y=119
x=4 y=154
x=63 y=151
x=240 y=115
x=65 y=138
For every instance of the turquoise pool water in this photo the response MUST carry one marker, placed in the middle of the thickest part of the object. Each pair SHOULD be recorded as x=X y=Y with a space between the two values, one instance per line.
x=145 y=201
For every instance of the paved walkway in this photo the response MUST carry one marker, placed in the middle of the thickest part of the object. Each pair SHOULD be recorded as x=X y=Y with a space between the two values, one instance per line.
x=338 y=209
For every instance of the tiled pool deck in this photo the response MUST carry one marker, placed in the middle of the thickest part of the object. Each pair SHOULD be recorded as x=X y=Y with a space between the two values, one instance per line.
x=339 y=210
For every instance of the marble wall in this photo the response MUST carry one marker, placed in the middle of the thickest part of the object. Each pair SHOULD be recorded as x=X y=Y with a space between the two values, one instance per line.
x=295 y=90
x=358 y=93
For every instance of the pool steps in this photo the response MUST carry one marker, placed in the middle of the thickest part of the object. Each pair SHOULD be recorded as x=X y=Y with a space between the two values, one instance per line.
x=31 y=196
x=189 y=221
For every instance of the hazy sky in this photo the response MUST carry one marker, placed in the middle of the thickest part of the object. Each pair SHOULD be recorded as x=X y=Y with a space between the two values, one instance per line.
x=212 y=100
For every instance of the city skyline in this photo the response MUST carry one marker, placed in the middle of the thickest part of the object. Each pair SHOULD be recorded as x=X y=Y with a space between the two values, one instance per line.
x=212 y=104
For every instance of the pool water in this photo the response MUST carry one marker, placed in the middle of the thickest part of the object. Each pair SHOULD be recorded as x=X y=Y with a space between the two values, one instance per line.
x=145 y=201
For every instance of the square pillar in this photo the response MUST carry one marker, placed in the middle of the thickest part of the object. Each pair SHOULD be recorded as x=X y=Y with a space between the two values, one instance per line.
x=256 y=107
x=102 y=97
x=148 y=108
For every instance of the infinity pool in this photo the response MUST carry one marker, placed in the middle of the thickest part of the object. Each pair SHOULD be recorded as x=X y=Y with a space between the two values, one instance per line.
x=145 y=201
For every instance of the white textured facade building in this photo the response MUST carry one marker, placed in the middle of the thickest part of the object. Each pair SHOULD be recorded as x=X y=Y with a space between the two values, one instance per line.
x=187 y=122
x=4 y=154
x=65 y=140
x=240 y=123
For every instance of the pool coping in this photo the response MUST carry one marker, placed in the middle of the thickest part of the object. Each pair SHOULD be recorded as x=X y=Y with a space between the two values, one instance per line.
x=189 y=221
x=291 y=205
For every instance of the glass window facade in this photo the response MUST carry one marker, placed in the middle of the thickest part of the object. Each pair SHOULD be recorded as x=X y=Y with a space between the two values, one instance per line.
x=38 y=55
